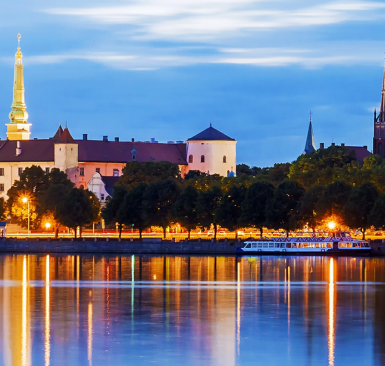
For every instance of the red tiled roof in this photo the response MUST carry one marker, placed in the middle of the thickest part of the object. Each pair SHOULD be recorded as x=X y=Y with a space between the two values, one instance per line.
x=95 y=151
x=361 y=152
x=65 y=137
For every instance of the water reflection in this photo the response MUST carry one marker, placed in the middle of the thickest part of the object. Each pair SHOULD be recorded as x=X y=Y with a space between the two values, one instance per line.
x=191 y=310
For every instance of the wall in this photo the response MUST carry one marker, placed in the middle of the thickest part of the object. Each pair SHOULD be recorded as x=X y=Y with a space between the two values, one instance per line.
x=213 y=152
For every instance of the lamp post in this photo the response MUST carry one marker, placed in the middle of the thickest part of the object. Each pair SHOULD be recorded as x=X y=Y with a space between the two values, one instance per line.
x=26 y=200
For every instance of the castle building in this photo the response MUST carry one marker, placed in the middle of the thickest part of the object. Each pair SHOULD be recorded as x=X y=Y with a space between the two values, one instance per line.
x=210 y=151
x=379 y=125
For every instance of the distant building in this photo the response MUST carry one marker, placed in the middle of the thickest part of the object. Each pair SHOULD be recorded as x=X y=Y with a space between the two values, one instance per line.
x=379 y=125
x=95 y=164
x=310 y=142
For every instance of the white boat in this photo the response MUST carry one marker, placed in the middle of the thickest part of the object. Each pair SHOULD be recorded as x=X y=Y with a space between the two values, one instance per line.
x=341 y=243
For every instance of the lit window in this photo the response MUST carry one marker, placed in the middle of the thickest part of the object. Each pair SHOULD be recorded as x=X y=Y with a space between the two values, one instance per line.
x=98 y=170
x=190 y=159
x=2 y=172
x=81 y=172
x=1 y=187
x=224 y=158
x=116 y=173
x=202 y=158
x=20 y=171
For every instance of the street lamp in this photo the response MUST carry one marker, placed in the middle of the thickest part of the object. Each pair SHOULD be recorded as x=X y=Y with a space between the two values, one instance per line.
x=47 y=225
x=26 y=200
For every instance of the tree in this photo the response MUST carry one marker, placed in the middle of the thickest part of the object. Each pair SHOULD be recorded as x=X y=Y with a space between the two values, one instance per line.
x=135 y=173
x=334 y=199
x=230 y=208
x=158 y=201
x=131 y=210
x=254 y=206
x=112 y=212
x=185 y=211
x=283 y=209
x=193 y=174
x=359 y=206
x=377 y=214
x=308 y=206
x=243 y=169
x=3 y=209
x=79 y=208
x=207 y=208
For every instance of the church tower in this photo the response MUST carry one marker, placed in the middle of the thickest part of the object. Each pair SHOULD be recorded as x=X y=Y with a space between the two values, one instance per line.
x=310 y=142
x=379 y=125
x=18 y=128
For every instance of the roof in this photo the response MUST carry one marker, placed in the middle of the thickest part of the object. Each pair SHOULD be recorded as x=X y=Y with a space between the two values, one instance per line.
x=211 y=134
x=65 y=137
x=360 y=151
x=310 y=143
x=109 y=183
x=94 y=151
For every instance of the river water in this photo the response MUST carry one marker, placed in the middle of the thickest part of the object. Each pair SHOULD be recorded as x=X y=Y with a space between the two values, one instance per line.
x=190 y=310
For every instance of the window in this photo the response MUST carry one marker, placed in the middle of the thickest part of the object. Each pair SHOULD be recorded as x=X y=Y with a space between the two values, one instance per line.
x=47 y=170
x=190 y=159
x=98 y=170
x=1 y=187
x=20 y=171
x=116 y=173
x=202 y=158
x=2 y=172
x=81 y=172
x=224 y=158
x=102 y=197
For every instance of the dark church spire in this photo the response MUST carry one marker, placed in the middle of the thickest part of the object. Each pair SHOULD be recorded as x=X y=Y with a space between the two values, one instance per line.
x=310 y=143
x=382 y=110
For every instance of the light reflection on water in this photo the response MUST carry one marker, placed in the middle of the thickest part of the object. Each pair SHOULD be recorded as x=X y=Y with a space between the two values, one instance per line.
x=104 y=310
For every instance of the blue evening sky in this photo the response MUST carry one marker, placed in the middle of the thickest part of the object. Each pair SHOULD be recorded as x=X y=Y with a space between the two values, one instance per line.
x=169 y=68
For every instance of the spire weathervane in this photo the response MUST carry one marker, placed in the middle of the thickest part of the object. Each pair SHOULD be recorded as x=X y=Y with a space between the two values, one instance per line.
x=18 y=40
x=310 y=115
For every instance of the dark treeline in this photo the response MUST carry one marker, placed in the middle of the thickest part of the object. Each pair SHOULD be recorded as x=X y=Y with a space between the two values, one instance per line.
x=49 y=198
x=326 y=183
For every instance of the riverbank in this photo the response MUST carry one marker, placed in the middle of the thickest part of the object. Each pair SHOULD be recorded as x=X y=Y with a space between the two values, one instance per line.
x=108 y=246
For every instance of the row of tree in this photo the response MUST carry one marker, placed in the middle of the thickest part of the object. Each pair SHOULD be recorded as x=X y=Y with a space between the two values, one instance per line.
x=50 y=198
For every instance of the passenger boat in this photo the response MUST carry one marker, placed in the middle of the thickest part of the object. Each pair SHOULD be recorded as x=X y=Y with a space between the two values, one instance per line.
x=341 y=243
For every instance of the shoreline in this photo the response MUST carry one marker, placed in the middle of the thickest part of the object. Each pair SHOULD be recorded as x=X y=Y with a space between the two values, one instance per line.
x=147 y=246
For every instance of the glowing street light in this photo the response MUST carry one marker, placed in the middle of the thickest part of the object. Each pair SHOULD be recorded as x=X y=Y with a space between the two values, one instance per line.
x=47 y=225
x=26 y=200
x=331 y=225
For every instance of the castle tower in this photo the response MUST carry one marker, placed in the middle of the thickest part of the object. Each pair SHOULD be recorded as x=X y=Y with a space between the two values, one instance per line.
x=379 y=125
x=18 y=128
x=310 y=142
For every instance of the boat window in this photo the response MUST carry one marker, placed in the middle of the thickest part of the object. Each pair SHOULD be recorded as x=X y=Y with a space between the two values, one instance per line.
x=254 y=245
x=329 y=245
x=318 y=245
x=356 y=245
x=342 y=245
x=300 y=245
x=271 y=245
x=323 y=245
x=265 y=245
x=305 y=245
x=349 y=245
x=276 y=245
x=311 y=245
x=282 y=245
x=259 y=245
x=294 y=245
x=288 y=245
x=248 y=246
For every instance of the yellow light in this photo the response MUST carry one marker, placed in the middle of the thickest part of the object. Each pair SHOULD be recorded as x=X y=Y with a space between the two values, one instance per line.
x=331 y=225
x=47 y=225
x=24 y=199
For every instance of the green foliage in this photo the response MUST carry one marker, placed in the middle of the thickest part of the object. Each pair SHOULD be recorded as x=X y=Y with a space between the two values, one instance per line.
x=230 y=208
x=207 y=207
x=111 y=209
x=158 y=201
x=131 y=209
x=135 y=173
x=377 y=214
x=309 y=206
x=185 y=211
x=283 y=210
x=334 y=199
x=359 y=206
x=3 y=209
x=257 y=197
x=80 y=207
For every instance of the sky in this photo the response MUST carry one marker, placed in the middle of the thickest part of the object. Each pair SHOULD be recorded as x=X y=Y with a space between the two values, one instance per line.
x=168 y=68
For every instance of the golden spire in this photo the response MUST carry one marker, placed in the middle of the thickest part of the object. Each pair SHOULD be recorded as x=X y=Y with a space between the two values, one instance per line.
x=18 y=128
